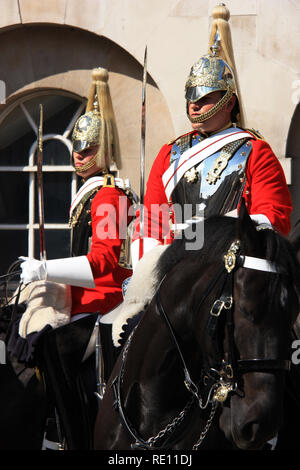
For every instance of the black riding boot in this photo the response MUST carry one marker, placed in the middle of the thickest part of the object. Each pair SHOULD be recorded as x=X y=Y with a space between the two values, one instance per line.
x=71 y=383
x=110 y=353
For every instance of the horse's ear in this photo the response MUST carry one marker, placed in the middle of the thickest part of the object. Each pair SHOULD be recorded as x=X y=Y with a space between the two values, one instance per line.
x=245 y=225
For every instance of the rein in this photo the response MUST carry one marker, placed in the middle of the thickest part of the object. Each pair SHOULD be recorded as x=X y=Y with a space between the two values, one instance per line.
x=221 y=380
x=140 y=443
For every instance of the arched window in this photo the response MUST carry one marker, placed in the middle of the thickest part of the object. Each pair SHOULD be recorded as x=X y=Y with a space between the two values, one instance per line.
x=19 y=224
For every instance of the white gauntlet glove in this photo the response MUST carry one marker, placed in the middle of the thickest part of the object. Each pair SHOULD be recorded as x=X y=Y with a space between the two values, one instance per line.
x=32 y=270
x=72 y=271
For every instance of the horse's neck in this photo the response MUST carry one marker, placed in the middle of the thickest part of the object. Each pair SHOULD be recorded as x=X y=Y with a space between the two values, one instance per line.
x=156 y=363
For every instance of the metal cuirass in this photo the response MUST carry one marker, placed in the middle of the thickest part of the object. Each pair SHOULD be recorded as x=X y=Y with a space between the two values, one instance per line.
x=81 y=223
x=214 y=186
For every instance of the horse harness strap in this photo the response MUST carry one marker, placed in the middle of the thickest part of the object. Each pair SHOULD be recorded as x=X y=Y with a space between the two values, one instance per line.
x=190 y=385
x=116 y=386
x=223 y=379
x=214 y=379
x=233 y=260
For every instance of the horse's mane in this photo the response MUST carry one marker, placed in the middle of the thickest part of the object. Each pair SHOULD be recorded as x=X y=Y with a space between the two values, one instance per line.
x=213 y=244
x=279 y=250
x=219 y=233
x=294 y=237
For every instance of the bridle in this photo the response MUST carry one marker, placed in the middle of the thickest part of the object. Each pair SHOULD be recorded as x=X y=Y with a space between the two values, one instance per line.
x=216 y=383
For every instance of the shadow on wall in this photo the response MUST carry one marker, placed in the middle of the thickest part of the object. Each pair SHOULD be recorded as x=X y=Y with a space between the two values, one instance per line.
x=41 y=51
x=60 y=59
x=293 y=151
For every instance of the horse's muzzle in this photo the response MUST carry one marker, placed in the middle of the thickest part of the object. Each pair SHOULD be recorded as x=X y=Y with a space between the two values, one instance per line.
x=250 y=425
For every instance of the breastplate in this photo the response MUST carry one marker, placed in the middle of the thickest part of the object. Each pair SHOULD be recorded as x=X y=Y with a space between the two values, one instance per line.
x=81 y=223
x=213 y=187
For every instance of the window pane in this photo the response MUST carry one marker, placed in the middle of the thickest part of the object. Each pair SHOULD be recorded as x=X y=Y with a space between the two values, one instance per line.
x=16 y=137
x=14 y=243
x=13 y=198
x=57 y=243
x=58 y=111
x=57 y=197
x=61 y=116
x=55 y=153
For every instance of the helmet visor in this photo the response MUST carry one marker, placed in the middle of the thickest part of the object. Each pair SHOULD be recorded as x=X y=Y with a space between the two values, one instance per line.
x=80 y=145
x=195 y=93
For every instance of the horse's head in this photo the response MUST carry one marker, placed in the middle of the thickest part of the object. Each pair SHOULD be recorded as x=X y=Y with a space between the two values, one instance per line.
x=233 y=305
x=257 y=333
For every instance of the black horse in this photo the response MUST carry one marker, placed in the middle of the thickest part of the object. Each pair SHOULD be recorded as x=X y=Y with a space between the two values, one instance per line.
x=205 y=368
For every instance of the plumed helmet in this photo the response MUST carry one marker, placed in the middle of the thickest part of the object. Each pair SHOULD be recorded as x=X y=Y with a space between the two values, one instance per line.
x=210 y=73
x=215 y=71
x=98 y=126
x=86 y=132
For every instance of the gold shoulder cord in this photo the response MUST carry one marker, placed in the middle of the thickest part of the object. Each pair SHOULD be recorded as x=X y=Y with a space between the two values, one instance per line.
x=256 y=134
x=79 y=208
x=109 y=181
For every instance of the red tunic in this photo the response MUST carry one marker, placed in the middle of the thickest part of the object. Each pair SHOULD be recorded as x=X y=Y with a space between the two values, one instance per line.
x=109 y=217
x=266 y=191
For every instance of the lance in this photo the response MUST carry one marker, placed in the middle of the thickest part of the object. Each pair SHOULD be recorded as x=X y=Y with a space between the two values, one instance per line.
x=40 y=187
x=142 y=156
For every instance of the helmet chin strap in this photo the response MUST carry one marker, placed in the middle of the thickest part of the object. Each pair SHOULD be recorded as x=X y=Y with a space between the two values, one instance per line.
x=86 y=166
x=219 y=105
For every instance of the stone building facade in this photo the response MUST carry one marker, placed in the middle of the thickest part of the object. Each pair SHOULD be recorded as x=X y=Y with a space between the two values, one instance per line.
x=47 y=52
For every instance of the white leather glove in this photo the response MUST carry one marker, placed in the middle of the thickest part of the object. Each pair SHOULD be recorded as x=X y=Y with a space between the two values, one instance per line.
x=74 y=271
x=32 y=270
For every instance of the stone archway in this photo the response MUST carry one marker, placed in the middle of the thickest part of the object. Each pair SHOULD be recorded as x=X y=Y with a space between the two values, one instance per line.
x=293 y=151
x=62 y=57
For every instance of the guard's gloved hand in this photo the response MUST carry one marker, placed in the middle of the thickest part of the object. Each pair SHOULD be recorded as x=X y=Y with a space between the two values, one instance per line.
x=72 y=271
x=32 y=270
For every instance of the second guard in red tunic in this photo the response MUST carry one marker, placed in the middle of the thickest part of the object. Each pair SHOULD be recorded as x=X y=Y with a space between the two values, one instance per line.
x=92 y=276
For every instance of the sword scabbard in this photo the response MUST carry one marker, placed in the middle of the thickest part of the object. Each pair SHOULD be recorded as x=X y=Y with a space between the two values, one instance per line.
x=40 y=187
x=142 y=155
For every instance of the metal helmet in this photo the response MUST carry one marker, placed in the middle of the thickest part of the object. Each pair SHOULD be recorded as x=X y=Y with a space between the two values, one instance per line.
x=215 y=70
x=86 y=131
x=97 y=127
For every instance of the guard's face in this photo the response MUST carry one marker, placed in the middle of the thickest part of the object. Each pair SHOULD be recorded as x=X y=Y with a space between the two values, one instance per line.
x=84 y=157
x=205 y=104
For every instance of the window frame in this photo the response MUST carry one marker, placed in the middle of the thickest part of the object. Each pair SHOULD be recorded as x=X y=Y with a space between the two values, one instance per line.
x=31 y=227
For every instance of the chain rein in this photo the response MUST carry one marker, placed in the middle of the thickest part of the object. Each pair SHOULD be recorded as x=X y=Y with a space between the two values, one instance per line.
x=169 y=428
x=222 y=380
x=190 y=385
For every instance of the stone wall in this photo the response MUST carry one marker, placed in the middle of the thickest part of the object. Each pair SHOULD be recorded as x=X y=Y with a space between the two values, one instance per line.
x=57 y=43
